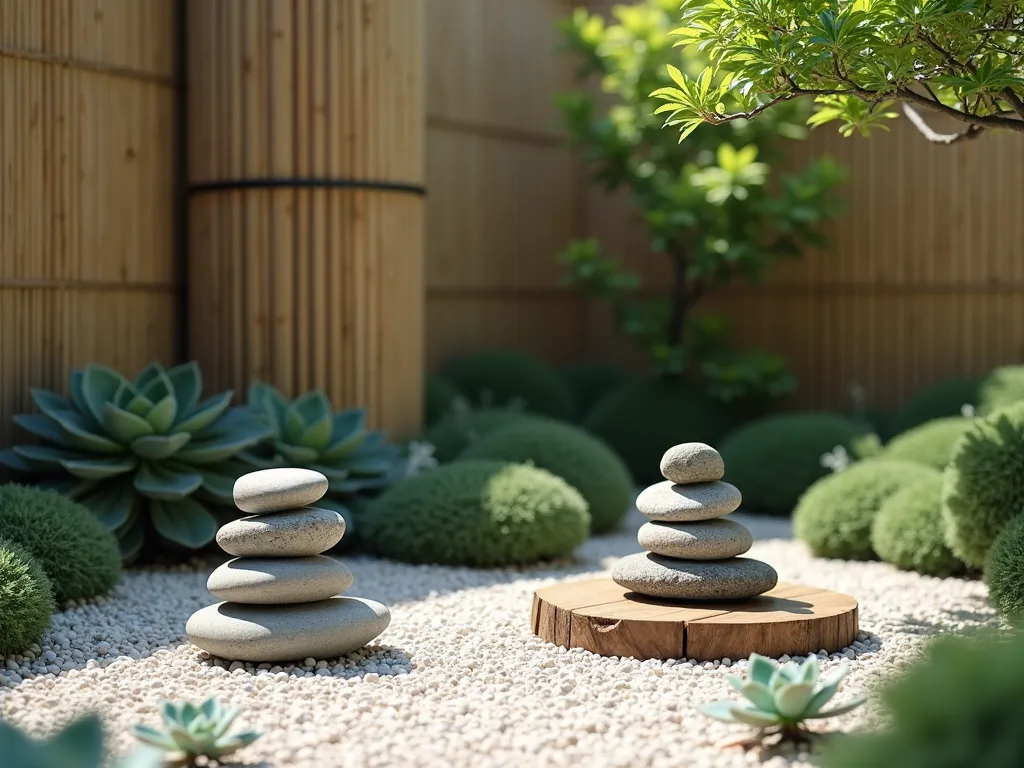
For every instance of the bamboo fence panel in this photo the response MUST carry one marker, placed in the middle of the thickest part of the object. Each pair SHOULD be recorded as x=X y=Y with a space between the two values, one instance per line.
x=309 y=287
x=505 y=191
x=87 y=270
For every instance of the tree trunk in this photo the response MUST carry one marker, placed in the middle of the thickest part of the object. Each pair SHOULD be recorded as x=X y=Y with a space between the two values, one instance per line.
x=680 y=299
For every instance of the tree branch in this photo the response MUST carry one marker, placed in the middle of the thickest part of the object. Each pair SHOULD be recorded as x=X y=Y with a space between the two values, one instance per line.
x=939 y=138
x=1015 y=101
x=983 y=121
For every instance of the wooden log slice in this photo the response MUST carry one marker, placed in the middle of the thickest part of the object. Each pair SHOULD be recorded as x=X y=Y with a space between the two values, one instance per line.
x=600 y=616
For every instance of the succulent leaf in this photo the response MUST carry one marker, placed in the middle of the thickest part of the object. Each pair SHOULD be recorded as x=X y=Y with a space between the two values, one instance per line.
x=156 y=447
x=146 y=376
x=294 y=426
x=99 y=467
x=162 y=483
x=184 y=522
x=187 y=381
x=205 y=413
x=758 y=695
x=162 y=415
x=42 y=457
x=11 y=460
x=111 y=503
x=298 y=455
x=124 y=425
x=40 y=426
x=157 y=387
x=99 y=385
x=150 y=735
x=195 y=731
x=76 y=433
x=49 y=403
x=791 y=700
x=754 y=717
x=140 y=405
x=219 y=485
x=842 y=709
x=223 y=447
x=809 y=671
x=720 y=710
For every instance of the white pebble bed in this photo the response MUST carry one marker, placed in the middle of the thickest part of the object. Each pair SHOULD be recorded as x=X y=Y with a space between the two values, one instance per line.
x=458 y=679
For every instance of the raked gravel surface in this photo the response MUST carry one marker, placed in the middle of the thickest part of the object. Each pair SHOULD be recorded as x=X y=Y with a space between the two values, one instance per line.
x=458 y=679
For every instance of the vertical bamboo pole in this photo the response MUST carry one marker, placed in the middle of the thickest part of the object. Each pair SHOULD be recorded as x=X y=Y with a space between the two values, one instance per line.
x=306 y=135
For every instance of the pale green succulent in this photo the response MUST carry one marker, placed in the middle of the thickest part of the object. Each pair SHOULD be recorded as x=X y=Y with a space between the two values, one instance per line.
x=78 y=745
x=145 y=455
x=192 y=732
x=307 y=433
x=782 y=697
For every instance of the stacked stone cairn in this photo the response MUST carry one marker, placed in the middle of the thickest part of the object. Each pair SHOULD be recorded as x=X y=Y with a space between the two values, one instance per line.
x=693 y=553
x=280 y=592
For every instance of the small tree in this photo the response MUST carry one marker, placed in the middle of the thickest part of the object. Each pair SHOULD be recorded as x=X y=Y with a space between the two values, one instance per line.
x=706 y=203
x=960 y=58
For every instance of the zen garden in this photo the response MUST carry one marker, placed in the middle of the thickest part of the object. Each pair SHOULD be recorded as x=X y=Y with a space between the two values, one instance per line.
x=739 y=479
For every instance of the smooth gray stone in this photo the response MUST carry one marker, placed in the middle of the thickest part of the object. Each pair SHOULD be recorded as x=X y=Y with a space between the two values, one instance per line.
x=322 y=630
x=704 y=540
x=671 y=503
x=299 y=533
x=657 y=576
x=278 y=490
x=689 y=463
x=266 y=581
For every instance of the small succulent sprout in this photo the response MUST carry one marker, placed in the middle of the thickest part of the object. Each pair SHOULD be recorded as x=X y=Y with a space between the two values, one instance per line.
x=196 y=731
x=781 y=698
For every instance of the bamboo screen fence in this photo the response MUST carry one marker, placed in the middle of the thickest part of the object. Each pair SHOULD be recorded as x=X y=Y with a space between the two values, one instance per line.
x=87 y=270
x=297 y=277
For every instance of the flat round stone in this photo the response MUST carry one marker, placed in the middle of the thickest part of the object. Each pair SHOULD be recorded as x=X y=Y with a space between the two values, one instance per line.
x=322 y=630
x=277 y=490
x=266 y=580
x=299 y=533
x=704 y=540
x=733 y=579
x=671 y=503
x=692 y=463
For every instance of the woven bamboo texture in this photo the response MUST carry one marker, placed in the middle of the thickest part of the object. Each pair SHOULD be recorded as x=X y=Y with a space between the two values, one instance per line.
x=309 y=287
x=86 y=191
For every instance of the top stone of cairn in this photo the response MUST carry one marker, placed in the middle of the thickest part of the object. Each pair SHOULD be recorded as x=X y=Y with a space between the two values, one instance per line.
x=278 y=490
x=690 y=463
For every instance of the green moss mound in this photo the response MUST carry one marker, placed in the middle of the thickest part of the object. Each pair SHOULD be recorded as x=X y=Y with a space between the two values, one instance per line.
x=479 y=513
x=1004 y=572
x=511 y=378
x=439 y=398
x=457 y=431
x=643 y=419
x=960 y=706
x=775 y=459
x=582 y=460
x=835 y=515
x=908 y=531
x=939 y=401
x=78 y=554
x=930 y=443
x=26 y=599
x=589 y=382
x=984 y=486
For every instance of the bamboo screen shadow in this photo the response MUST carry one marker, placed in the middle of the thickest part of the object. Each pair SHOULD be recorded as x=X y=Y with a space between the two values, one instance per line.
x=87 y=267
x=305 y=168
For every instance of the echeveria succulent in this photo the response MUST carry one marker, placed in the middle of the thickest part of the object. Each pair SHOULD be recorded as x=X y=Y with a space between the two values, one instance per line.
x=143 y=455
x=781 y=698
x=79 y=745
x=306 y=432
x=191 y=731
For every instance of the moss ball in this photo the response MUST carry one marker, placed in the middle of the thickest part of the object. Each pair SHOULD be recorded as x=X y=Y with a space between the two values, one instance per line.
x=26 y=599
x=939 y=401
x=775 y=459
x=1004 y=571
x=930 y=443
x=589 y=382
x=494 y=379
x=835 y=515
x=439 y=397
x=579 y=458
x=642 y=419
x=80 y=556
x=457 y=431
x=908 y=531
x=984 y=484
x=483 y=514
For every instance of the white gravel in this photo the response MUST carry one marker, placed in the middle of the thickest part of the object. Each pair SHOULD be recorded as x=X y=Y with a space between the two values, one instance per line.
x=458 y=679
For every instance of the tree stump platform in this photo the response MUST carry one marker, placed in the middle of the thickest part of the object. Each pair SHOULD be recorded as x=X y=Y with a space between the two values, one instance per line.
x=600 y=616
